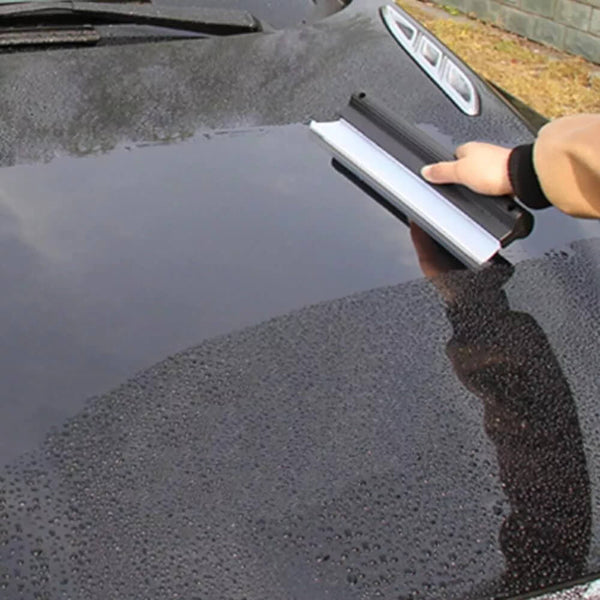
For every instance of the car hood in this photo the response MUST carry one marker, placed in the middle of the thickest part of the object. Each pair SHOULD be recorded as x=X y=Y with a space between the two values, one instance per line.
x=223 y=372
x=283 y=13
x=88 y=100
x=278 y=13
x=349 y=446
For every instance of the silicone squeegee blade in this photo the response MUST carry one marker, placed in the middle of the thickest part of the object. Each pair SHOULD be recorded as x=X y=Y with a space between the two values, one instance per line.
x=387 y=154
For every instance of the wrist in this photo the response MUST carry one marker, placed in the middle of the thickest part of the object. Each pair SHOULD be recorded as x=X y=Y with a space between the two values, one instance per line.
x=523 y=178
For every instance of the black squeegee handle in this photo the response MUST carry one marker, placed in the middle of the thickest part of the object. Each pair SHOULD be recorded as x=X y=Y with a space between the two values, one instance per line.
x=500 y=215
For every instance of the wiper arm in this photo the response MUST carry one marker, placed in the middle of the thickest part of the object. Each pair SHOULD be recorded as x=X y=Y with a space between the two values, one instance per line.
x=211 y=21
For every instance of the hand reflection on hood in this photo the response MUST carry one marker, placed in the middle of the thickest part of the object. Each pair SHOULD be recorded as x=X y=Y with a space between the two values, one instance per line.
x=504 y=358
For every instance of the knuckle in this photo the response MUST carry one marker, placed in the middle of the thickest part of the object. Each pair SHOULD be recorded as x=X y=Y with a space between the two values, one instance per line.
x=464 y=149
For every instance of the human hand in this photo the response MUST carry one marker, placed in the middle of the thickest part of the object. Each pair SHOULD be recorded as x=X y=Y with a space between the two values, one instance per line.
x=481 y=167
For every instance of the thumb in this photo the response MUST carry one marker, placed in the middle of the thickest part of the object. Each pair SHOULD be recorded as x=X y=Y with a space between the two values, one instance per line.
x=442 y=172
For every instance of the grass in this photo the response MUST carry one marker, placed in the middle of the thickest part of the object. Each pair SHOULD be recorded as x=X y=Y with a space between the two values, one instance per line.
x=553 y=83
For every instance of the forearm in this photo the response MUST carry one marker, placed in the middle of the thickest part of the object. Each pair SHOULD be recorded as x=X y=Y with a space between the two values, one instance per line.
x=561 y=168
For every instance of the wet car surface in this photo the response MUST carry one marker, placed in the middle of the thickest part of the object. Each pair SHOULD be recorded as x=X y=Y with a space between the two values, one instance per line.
x=276 y=13
x=223 y=372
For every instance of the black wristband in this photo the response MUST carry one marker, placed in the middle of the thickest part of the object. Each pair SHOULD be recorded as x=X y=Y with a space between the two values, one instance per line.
x=524 y=180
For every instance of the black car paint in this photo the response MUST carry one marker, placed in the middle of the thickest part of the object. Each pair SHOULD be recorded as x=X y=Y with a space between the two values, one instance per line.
x=156 y=196
x=89 y=99
x=274 y=12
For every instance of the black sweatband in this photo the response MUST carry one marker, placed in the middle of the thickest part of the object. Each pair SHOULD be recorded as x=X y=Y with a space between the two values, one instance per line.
x=524 y=180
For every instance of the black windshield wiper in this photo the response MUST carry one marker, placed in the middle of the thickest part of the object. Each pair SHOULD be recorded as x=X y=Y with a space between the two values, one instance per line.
x=210 y=21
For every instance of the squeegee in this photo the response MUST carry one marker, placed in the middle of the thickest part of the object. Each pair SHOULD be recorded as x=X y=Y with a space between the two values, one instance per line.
x=386 y=154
